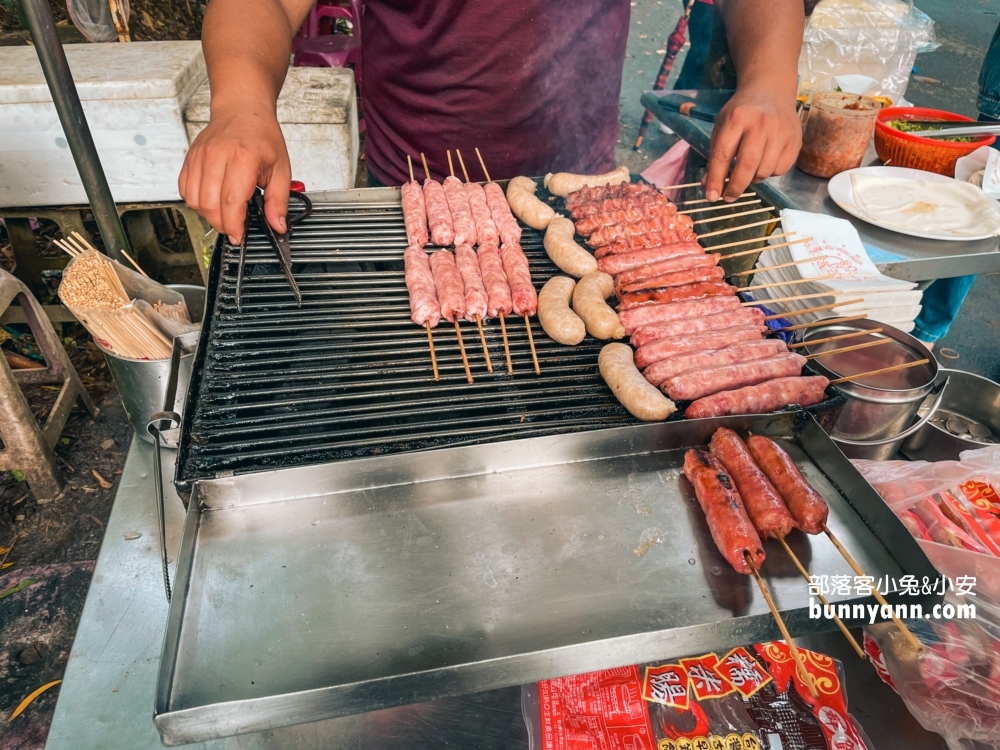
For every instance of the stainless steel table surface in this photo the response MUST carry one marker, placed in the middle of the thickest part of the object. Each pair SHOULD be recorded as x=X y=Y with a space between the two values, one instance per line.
x=896 y=255
x=106 y=699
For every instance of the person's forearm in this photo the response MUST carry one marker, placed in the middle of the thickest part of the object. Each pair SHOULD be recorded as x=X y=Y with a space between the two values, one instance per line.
x=247 y=44
x=765 y=37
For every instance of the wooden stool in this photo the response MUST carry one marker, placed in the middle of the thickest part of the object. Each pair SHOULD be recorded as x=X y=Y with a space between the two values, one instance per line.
x=26 y=446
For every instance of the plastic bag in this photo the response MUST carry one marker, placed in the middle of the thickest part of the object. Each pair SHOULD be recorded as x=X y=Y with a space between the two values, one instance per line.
x=750 y=697
x=875 y=38
x=953 y=508
x=93 y=19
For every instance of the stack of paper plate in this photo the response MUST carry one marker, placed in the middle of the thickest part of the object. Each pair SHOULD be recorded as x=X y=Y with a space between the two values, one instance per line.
x=856 y=284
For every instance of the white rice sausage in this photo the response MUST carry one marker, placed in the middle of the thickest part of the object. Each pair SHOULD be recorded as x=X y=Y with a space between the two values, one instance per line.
x=554 y=313
x=642 y=399
x=524 y=204
x=564 y=183
x=589 y=303
x=570 y=257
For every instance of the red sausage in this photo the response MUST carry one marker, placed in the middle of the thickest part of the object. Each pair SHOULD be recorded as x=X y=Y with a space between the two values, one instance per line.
x=742 y=351
x=763 y=504
x=645 y=316
x=806 y=505
x=675 y=279
x=705 y=381
x=675 y=294
x=727 y=519
x=762 y=398
x=670 y=265
x=740 y=316
x=665 y=348
x=631 y=258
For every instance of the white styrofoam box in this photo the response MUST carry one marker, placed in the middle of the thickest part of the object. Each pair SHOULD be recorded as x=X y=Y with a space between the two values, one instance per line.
x=318 y=114
x=133 y=96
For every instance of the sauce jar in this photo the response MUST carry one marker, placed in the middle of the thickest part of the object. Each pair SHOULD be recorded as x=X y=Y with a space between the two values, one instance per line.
x=836 y=134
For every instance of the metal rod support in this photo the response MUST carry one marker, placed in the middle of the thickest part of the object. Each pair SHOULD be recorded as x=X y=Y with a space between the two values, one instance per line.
x=74 y=123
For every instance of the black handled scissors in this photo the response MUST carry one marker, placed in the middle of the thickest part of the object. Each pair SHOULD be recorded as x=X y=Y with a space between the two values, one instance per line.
x=279 y=242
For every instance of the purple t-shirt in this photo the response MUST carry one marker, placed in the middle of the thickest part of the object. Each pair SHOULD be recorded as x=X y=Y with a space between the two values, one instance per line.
x=533 y=83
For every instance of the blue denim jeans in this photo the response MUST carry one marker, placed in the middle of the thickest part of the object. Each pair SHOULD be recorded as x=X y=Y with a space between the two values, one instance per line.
x=941 y=302
x=989 y=80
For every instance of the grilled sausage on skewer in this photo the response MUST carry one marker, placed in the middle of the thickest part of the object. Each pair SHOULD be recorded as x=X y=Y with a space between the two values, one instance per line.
x=615 y=264
x=449 y=285
x=476 y=299
x=507 y=226
x=742 y=351
x=414 y=214
x=665 y=348
x=664 y=267
x=424 y=307
x=522 y=291
x=495 y=280
x=701 y=275
x=806 y=505
x=674 y=294
x=578 y=201
x=763 y=504
x=461 y=213
x=705 y=381
x=630 y=213
x=438 y=214
x=649 y=315
x=727 y=519
x=486 y=228
x=761 y=399
x=742 y=316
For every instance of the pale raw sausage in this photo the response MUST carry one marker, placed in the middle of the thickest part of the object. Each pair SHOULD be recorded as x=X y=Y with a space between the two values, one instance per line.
x=589 y=303
x=642 y=400
x=557 y=319
x=526 y=206
x=564 y=252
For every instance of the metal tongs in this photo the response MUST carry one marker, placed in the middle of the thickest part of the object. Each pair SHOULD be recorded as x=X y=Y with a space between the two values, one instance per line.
x=279 y=242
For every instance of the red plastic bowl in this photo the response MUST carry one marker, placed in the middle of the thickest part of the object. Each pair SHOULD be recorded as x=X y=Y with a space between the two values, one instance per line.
x=903 y=149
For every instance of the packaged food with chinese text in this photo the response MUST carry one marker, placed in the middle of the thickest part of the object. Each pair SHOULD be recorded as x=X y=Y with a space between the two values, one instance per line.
x=749 y=698
x=952 y=684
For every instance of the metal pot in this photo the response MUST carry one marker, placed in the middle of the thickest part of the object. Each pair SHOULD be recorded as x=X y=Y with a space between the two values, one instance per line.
x=880 y=409
x=968 y=403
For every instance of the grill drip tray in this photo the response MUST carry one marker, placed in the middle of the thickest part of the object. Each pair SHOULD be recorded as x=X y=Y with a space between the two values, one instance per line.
x=321 y=591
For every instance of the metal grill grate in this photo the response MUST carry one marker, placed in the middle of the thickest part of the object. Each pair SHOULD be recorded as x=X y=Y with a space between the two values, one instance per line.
x=349 y=374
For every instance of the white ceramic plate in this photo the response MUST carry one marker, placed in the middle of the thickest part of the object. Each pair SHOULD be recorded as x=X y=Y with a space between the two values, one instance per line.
x=841 y=190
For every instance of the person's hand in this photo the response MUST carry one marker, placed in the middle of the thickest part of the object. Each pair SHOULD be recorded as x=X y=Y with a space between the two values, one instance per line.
x=762 y=130
x=239 y=150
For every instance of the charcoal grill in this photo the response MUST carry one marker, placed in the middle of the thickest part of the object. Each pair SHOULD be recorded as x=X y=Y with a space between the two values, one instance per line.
x=348 y=374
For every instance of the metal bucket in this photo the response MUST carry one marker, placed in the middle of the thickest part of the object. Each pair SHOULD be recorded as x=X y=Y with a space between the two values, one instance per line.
x=880 y=409
x=142 y=383
x=968 y=418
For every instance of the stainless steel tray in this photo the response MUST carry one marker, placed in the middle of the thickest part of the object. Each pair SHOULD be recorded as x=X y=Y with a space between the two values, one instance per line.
x=327 y=590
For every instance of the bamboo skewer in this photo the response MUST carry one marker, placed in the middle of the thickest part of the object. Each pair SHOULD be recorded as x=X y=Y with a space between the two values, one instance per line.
x=814 y=295
x=706 y=200
x=904 y=366
x=713 y=248
x=866 y=345
x=131 y=260
x=794 y=282
x=427 y=172
x=823 y=599
x=712 y=219
x=716 y=207
x=506 y=344
x=430 y=336
x=483 y=165
x=451 y=167
x=434 y=361
x=855 y=334
x=531 y=343
x=859 y=571
x=461 y=349
x=685 y=185
x=806 y=677
x=820 y=322
x=779 y=265
x=820 y=308
x=461 y=162
x=736 y=229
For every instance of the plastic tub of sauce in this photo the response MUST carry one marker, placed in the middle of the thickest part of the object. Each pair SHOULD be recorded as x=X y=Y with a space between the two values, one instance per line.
x=836 y=134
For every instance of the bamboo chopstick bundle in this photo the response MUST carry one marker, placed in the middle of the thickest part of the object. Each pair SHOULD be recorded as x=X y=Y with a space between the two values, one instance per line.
x=177 y=311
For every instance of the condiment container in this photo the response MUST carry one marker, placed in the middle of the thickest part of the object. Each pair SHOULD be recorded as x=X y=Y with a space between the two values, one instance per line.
x=836 y=134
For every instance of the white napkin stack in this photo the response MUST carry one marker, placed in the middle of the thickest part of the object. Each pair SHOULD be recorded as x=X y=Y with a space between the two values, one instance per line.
x=882 y=298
